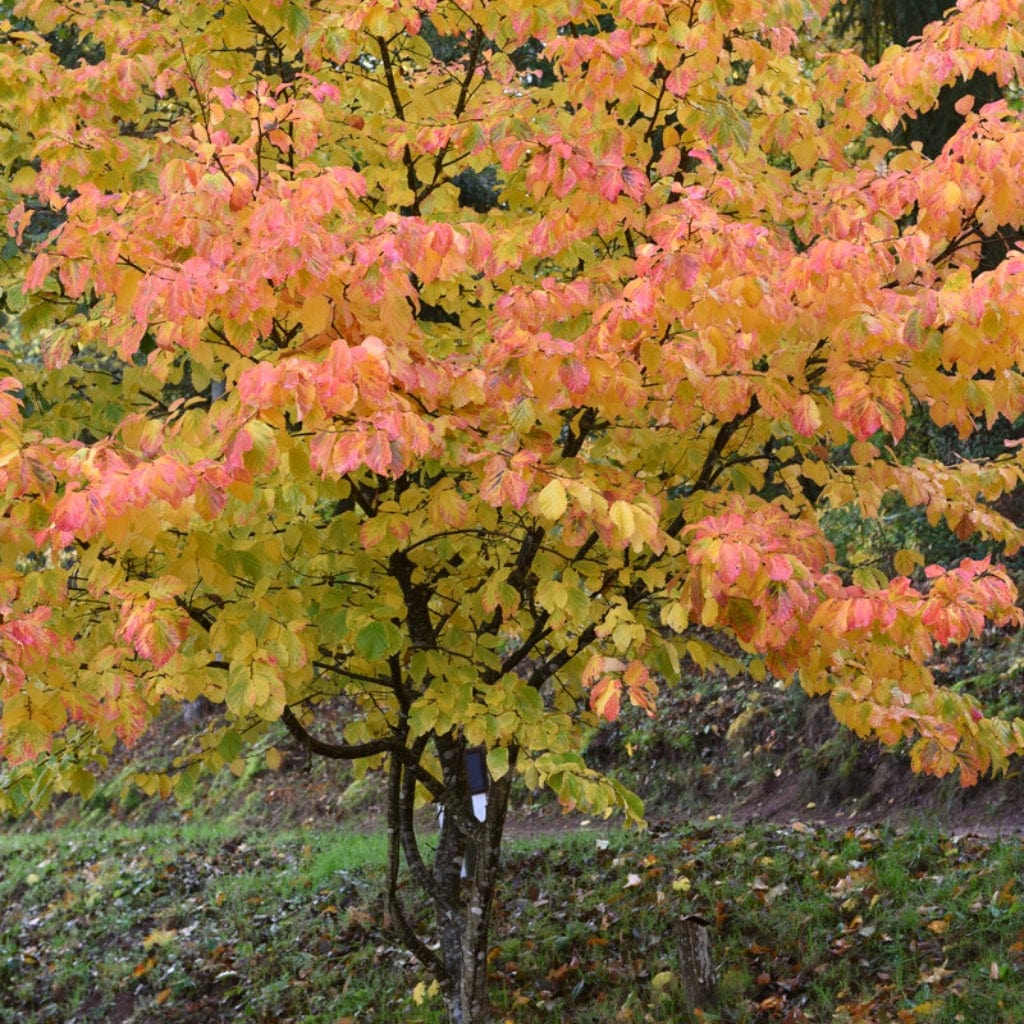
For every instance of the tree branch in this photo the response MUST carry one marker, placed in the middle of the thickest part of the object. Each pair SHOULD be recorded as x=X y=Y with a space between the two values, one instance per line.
x=337 y=751
x=394 y=903
x=708 y=470
x=411 y=177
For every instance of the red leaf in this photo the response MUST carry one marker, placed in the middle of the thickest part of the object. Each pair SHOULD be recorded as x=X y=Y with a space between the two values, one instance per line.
x=604 y=698
x=574 y=375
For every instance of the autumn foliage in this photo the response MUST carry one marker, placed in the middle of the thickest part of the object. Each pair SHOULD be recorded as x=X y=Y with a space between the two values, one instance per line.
x=476 y=367
x=480 y=470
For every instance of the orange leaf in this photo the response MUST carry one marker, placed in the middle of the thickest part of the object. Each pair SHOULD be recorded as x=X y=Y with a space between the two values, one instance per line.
x=604 y=698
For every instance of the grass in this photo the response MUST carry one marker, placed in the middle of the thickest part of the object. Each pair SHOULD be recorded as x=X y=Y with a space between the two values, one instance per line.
x=179 y=924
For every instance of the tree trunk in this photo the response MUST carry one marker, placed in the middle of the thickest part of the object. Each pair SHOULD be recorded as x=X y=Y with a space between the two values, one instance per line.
x=465 y=938
x=696 y=967
x=459 y=887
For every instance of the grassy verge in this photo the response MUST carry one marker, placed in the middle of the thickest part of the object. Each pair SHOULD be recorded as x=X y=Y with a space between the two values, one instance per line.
x=168 y=925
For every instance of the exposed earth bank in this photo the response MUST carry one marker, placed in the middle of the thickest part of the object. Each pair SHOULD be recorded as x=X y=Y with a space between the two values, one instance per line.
x=727 y=751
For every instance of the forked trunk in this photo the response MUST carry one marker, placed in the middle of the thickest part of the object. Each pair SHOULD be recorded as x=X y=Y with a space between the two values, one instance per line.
x=459 y=885
x=466 y=931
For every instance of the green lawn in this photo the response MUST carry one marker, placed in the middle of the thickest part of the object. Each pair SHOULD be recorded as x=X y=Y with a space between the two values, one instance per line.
x=204 y=924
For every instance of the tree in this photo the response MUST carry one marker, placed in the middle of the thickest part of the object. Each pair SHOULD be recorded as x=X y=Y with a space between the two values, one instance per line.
x=875 y=25
x=469 y=368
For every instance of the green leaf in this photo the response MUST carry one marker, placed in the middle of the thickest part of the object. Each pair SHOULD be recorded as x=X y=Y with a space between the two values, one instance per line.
x=237 y=696
x=529 y=704
x=230 y=745
x=186 y=782
x=377 y=640
x=422 y=716
x=82 y=782
x=632 y=805
x=497 y=762
x=522 y=416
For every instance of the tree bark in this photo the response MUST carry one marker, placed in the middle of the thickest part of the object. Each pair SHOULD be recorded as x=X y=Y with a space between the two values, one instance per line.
x=459 y=886
x=696 y=967
x=465 y=940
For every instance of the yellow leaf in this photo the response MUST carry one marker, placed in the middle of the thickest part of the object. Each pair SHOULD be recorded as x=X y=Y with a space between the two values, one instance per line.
x=805 y=153
x=699 y=652
x=24 y=181
x=422 y=992
x=906 y=560
x=449 y=508
x=674 y=616
x=815 y=471
x=621 y=514
x=551 y=501
x=159 y=937
x=316 y=314
x=625 y=634
x=552 y=595
x=273 y=759
x=863 y=452
x=951 y=195
x=662 y=980
x=709 y=613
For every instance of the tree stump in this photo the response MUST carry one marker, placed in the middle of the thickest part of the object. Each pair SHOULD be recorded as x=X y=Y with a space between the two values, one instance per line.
x=696 y=968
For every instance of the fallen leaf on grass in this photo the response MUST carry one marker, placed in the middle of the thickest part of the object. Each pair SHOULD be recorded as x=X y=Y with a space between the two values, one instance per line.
x=144 y=968
x=159 y=937
x=422 y=992
x=936 y=976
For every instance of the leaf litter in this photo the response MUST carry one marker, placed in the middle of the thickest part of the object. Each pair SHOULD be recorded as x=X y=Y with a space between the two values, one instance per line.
x=859 y=925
